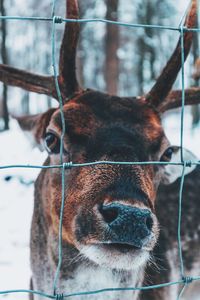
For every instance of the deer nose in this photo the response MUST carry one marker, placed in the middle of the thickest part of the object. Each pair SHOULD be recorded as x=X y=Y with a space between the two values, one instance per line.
x=127 y=224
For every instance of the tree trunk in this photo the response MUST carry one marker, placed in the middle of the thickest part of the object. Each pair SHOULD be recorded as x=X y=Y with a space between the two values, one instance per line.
x=145 y=16
x=5 y=61
x=140 y=65
x=25 y=104
x=111 y=46
x=195 y=51
x=80 y=50
x=150 y=12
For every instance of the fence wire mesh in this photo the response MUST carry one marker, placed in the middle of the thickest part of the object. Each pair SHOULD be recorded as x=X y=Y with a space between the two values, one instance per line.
x=182 y=280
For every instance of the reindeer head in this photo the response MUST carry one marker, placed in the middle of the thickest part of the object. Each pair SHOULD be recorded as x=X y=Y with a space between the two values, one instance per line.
x=109 y=211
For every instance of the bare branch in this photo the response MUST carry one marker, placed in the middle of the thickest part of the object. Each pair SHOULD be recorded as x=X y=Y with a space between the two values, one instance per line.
x=67 y=63
x=166 y=79
x=174 y=99
x=28 y=81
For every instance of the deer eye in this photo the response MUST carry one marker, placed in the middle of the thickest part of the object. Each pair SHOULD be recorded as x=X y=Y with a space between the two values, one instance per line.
x=52 y=143
x=167 y=155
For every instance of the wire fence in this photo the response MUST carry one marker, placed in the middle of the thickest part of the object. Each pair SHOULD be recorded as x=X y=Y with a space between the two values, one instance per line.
x=183 y=280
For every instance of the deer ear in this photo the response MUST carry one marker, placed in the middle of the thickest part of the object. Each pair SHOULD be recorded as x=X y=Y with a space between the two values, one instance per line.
x=34 y=126
x=173 y=172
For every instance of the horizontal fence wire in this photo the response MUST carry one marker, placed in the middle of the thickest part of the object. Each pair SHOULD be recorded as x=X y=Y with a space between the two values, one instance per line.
x=184 y=280
x=97 y=20
x=70 y=165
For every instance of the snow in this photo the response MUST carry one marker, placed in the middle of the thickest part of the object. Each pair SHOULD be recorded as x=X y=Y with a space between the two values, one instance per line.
x=172 y=125
x=16 y=206
x=16 y=201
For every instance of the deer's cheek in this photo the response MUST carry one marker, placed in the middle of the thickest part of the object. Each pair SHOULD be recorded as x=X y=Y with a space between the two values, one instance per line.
x=67 y=219
x=148 y=185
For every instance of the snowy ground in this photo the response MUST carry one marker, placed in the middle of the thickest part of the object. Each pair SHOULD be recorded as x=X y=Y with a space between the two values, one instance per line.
x=16 y=204
x=16 y=201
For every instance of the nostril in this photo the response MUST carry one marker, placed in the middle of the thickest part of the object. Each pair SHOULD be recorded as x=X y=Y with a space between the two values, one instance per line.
x=109 y=213
x=149 y=223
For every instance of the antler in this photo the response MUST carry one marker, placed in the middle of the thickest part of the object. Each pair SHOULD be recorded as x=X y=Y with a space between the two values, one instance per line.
x=28 y=81
x=67 y=63
x=67 y=72
x=174 y=99
x=166 y=79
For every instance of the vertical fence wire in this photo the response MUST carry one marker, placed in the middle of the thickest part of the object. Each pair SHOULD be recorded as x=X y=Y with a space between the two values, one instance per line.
x=182 y=89
x=179 y=222
x=182 y=158
x=53 y=6
x=181 y=292
x=182 y=273
x=55 y=72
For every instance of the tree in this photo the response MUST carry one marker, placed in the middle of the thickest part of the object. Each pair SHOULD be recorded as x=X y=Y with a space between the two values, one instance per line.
x=145 y=16
x=196 y=75
x=5 y=61
x=149 y=41
x=111 y=46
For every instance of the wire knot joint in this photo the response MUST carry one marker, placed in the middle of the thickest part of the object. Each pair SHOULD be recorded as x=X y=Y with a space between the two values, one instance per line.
x=68 y=165
x=59 y=296
x=187 y=279
x=182 y=29
x=57 y=19
x=188 y=163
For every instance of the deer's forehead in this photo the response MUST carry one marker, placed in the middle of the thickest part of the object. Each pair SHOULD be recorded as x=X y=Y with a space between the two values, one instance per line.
x=86 y=116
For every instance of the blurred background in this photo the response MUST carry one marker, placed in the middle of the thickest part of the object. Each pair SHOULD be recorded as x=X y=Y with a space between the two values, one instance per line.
x=119 y=60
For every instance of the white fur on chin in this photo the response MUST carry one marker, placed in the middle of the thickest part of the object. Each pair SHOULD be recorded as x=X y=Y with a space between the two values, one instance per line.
x=132 y=260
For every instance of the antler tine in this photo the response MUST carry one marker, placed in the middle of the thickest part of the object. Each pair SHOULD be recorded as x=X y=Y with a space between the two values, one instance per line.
x=67 y=63
x=28 y=81
x=174 y=99
x=166 y=79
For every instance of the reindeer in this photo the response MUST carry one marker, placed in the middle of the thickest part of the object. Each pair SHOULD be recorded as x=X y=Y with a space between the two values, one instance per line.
x=110 y=232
